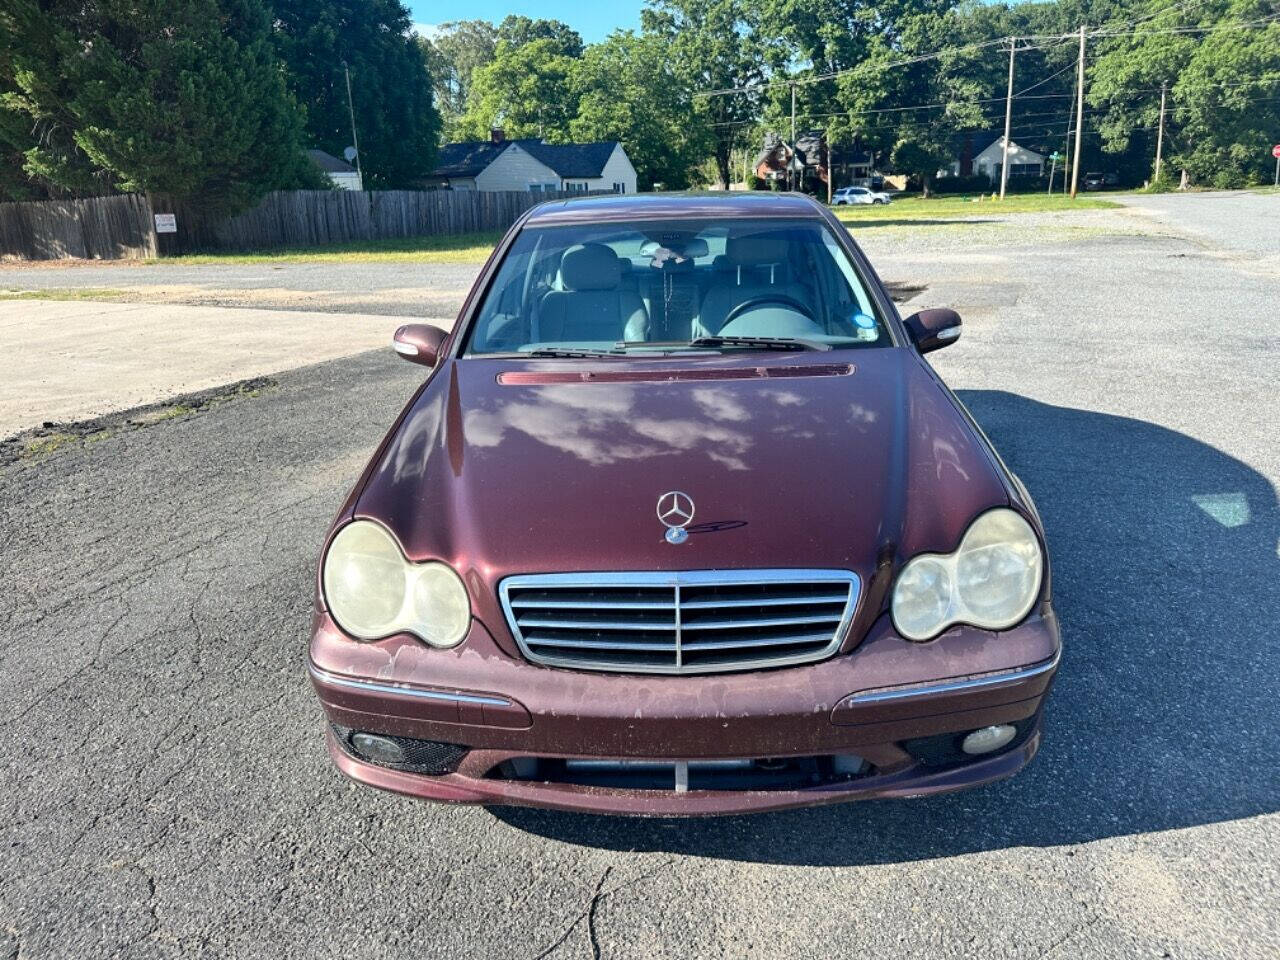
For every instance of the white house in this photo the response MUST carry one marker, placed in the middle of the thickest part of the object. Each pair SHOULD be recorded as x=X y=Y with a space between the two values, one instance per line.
x=343 y=174
x=532 y=164
x=1022 y=162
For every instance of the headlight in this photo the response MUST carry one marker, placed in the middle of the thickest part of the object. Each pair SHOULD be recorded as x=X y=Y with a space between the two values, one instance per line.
x=991 y=581
x=373 y=591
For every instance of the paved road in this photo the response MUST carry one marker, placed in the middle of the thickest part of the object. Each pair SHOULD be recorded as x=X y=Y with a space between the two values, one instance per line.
x=164 y=789
x=1233 y=223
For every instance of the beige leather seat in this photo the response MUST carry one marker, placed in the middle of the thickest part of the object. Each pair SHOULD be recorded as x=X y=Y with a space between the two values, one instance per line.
x=752 y=267
x=592 y=304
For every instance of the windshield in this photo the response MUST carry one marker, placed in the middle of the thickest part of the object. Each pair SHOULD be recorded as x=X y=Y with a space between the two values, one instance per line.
x=667 y=285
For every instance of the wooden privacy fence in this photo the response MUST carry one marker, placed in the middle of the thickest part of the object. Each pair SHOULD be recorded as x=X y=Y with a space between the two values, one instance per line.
x=124 y=227
x=102 y=228
x=304 y=218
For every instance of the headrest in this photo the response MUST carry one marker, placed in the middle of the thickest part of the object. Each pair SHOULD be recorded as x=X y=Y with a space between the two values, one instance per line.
x=753 y=250
x=590 y=266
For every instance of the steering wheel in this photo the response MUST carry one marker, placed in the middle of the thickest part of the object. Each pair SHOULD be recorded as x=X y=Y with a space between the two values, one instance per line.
x=789 y=302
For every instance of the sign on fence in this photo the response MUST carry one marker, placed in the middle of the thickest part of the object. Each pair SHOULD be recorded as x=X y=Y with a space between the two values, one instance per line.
x=166 y=223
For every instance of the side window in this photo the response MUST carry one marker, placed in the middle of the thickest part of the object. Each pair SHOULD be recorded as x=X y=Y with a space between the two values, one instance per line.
x=851 y=293
x=503 y=323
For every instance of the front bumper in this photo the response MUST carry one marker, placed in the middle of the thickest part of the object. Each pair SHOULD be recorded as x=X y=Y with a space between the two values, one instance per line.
x=873 y=703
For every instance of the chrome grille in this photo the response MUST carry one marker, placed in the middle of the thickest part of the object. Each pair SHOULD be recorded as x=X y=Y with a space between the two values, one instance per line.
x=687 y=622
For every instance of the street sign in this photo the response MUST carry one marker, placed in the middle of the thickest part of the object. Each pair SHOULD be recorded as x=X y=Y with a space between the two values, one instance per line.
x=1055 y=157
x=1275 y=151
x=166 y=223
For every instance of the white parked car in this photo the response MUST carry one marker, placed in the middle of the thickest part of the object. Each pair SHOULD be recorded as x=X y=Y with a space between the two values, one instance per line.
x=846 y=196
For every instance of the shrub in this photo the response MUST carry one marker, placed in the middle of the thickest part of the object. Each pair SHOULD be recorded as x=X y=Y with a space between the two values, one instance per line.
x=976 y=183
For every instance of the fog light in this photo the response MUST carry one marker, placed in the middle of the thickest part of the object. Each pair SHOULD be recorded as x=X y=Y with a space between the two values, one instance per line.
x=378 y=749
x=988 y=739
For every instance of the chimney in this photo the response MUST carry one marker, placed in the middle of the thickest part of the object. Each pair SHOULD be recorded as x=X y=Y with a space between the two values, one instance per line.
x=496 y=135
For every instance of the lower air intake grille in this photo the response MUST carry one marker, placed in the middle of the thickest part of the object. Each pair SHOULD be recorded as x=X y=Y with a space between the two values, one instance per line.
x=689 y=622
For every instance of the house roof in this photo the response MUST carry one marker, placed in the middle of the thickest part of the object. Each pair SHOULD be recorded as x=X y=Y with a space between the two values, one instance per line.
x=810 y=148
x=329 y=163
x=572 y=159
x=469 y=159
x=982 y=140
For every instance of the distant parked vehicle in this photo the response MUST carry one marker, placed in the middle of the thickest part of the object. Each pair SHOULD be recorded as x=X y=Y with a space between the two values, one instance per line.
x=1095 y=181
x=847 y=196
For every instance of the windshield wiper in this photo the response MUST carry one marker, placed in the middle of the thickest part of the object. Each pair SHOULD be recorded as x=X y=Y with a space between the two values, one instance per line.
x=570 y=352
x=764 y=343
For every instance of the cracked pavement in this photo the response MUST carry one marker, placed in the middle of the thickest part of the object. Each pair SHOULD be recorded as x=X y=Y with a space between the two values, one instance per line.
x=164 y=789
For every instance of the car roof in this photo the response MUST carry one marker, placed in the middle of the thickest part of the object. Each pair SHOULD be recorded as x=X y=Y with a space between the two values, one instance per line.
x=673 y=206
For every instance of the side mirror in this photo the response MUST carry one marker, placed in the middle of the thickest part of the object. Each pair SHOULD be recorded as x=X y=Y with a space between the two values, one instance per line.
x=419 y=343
x=933 y=329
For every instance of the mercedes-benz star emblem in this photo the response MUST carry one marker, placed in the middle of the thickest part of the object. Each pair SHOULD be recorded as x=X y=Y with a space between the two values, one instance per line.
x=675 y=510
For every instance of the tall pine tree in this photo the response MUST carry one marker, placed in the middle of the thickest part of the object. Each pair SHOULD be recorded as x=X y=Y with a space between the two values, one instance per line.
x=396 y=120
x=178 y=97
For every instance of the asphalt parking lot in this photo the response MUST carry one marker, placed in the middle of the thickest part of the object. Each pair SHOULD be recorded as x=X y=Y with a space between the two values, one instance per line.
x=164 y=789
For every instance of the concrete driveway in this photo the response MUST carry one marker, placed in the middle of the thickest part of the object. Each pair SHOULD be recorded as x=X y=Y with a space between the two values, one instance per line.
x=164 y=789
x=70 y=361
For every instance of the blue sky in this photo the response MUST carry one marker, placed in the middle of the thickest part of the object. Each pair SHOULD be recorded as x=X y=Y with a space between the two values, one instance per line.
x=594 y=20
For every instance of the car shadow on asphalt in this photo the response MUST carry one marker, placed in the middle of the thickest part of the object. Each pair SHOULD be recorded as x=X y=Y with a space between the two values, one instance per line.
x=1167 y=582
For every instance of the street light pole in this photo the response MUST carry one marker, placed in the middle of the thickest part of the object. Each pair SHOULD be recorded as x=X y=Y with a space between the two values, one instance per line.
x=1008 y=117
x=351 y=110
x=791 y=166
x=1160 y=130
x=1075 y=162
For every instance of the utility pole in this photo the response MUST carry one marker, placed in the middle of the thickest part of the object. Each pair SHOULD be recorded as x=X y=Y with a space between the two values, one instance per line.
x=1075 y=162
x=831 y=167
x=351 y=110
x=1008 y=118
x=791 y=166
x=1160 y=130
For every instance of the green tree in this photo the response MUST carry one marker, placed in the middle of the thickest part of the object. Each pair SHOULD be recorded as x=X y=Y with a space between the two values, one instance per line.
x=526 y=90
x=516 y=31
x=714 y=45
x=180 y=97
x=396 y=121
x=1223 y=88
x=907 y=102
x=453 y=55
x=627 y=90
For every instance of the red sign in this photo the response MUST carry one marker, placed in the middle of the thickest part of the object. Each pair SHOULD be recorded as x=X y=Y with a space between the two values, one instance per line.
x=1275 y=151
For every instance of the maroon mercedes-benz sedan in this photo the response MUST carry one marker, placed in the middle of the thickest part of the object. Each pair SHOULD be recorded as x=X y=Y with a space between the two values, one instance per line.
x=682 y=522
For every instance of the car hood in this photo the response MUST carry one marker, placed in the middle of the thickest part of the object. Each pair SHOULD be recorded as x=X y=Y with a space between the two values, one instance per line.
x=791 y=460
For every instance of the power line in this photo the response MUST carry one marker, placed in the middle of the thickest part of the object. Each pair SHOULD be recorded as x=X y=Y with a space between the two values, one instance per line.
x=973 y=47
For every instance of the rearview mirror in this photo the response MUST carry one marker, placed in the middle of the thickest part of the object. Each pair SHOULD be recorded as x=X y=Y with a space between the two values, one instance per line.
x=419 y=343
x=933 y=329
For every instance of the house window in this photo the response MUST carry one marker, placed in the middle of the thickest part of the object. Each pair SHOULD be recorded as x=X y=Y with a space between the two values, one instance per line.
x=1024 y=169
x=619 y=187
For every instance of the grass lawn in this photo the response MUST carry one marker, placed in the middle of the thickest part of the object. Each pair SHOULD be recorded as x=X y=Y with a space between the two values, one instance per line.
x=63 y=293
x=915 y=208
x=464 y=248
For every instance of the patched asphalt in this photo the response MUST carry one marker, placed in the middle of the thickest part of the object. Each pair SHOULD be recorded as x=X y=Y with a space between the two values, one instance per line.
x=164 y=789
